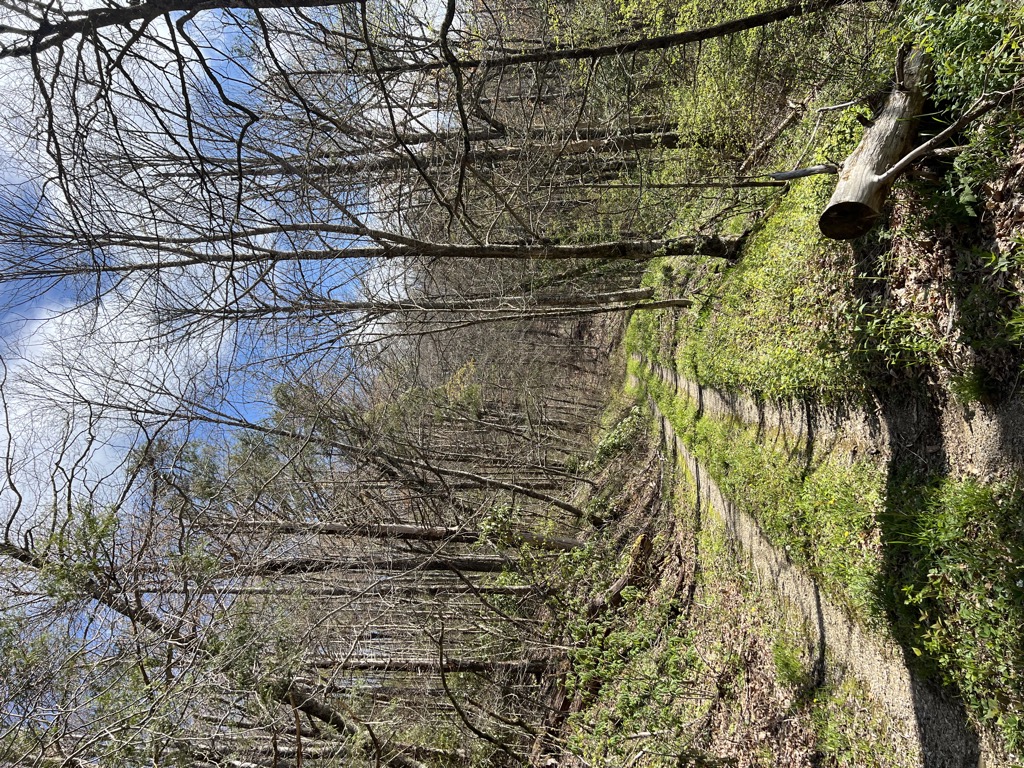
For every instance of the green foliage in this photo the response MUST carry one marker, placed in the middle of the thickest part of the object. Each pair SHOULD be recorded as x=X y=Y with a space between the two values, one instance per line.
x=769 y=324
x=498 y=525
x=86 y=545
x=991 y=306
x=644 y=331
x=464 y=390
x=974 y=386
x=727 y=96
x=790 y=669
x=895 y=339
x=952 y=549
x=977 y=49
x=621 y=437
x=602 y=650
x=960 y=569
x=792 y=319
x=634 y=671
x=976 y=46
x=65 y=677
x=256 y=645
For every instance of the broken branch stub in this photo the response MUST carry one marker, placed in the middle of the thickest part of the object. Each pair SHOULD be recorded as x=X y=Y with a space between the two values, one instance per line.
x=863 y=186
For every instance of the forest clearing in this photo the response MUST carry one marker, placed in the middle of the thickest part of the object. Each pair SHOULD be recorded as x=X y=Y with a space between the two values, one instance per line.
x=551 y=383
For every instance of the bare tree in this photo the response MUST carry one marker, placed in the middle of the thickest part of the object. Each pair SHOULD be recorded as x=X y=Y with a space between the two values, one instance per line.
x=322 y=296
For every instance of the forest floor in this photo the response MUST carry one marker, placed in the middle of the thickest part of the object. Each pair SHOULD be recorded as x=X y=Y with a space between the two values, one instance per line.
x=811 y=482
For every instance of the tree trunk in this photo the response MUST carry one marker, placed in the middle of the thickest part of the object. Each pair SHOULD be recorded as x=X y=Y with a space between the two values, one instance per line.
x=399 y=531
x=300 y=565
x=433 y=666
x=863 y=185
x=659 y=43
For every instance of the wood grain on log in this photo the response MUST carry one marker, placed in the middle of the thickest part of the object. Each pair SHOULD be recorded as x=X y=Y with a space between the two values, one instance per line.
x=864 y=185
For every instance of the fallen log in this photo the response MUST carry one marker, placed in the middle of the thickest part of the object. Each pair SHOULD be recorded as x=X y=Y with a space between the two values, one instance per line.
x=864 y=181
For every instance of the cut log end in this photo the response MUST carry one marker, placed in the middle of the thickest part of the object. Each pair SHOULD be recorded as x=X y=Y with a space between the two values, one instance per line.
x=847 y=220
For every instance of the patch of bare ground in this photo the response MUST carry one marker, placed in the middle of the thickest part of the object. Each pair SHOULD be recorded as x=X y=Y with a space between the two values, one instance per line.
x=960 y=279
x=986 y=438
x=752 y=717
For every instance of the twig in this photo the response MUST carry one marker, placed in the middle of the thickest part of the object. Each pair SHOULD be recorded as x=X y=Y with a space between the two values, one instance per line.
x=799 y=173
x=980 y=107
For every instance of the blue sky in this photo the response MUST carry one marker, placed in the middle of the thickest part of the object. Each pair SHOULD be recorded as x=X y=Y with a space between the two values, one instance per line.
x=104 y=348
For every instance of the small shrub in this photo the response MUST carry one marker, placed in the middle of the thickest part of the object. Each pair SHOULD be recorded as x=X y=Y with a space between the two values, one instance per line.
x=621 y=437
x=789 y=668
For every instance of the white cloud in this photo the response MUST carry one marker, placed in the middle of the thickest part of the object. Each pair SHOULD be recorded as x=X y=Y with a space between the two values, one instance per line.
x=82 y=386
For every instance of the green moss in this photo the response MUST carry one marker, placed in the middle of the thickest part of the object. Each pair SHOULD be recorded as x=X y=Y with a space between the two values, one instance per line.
x=778 y=322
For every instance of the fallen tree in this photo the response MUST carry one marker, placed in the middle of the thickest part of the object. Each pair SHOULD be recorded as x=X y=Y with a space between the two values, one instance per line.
x=864 y=181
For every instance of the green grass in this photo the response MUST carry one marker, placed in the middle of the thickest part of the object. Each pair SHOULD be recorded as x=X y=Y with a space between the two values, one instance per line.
x=939 y=559
x=790 y=668
x=653 y=676
x=823 y=513
x=775 y=327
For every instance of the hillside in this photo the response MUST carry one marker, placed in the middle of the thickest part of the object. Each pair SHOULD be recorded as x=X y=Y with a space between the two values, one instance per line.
x=834 y=564
x=472 y=384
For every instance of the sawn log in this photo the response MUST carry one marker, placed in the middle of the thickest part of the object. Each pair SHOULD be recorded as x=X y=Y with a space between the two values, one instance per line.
x=863 y=185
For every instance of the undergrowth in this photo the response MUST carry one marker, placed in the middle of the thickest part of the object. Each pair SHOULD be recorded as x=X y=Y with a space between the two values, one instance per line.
x=935 y=560
x=822 y=513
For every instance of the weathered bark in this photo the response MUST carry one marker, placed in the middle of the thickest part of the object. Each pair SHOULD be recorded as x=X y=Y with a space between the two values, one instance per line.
x=388 y=587
x=379 y=162
x=800 y=173
x=738 y=184
x=434 y=666
x=390 y=463
x=298 y=565
x=400 y=531
x=864 y=185
x=442 y=321
x=481 y=304
x=981 y=107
